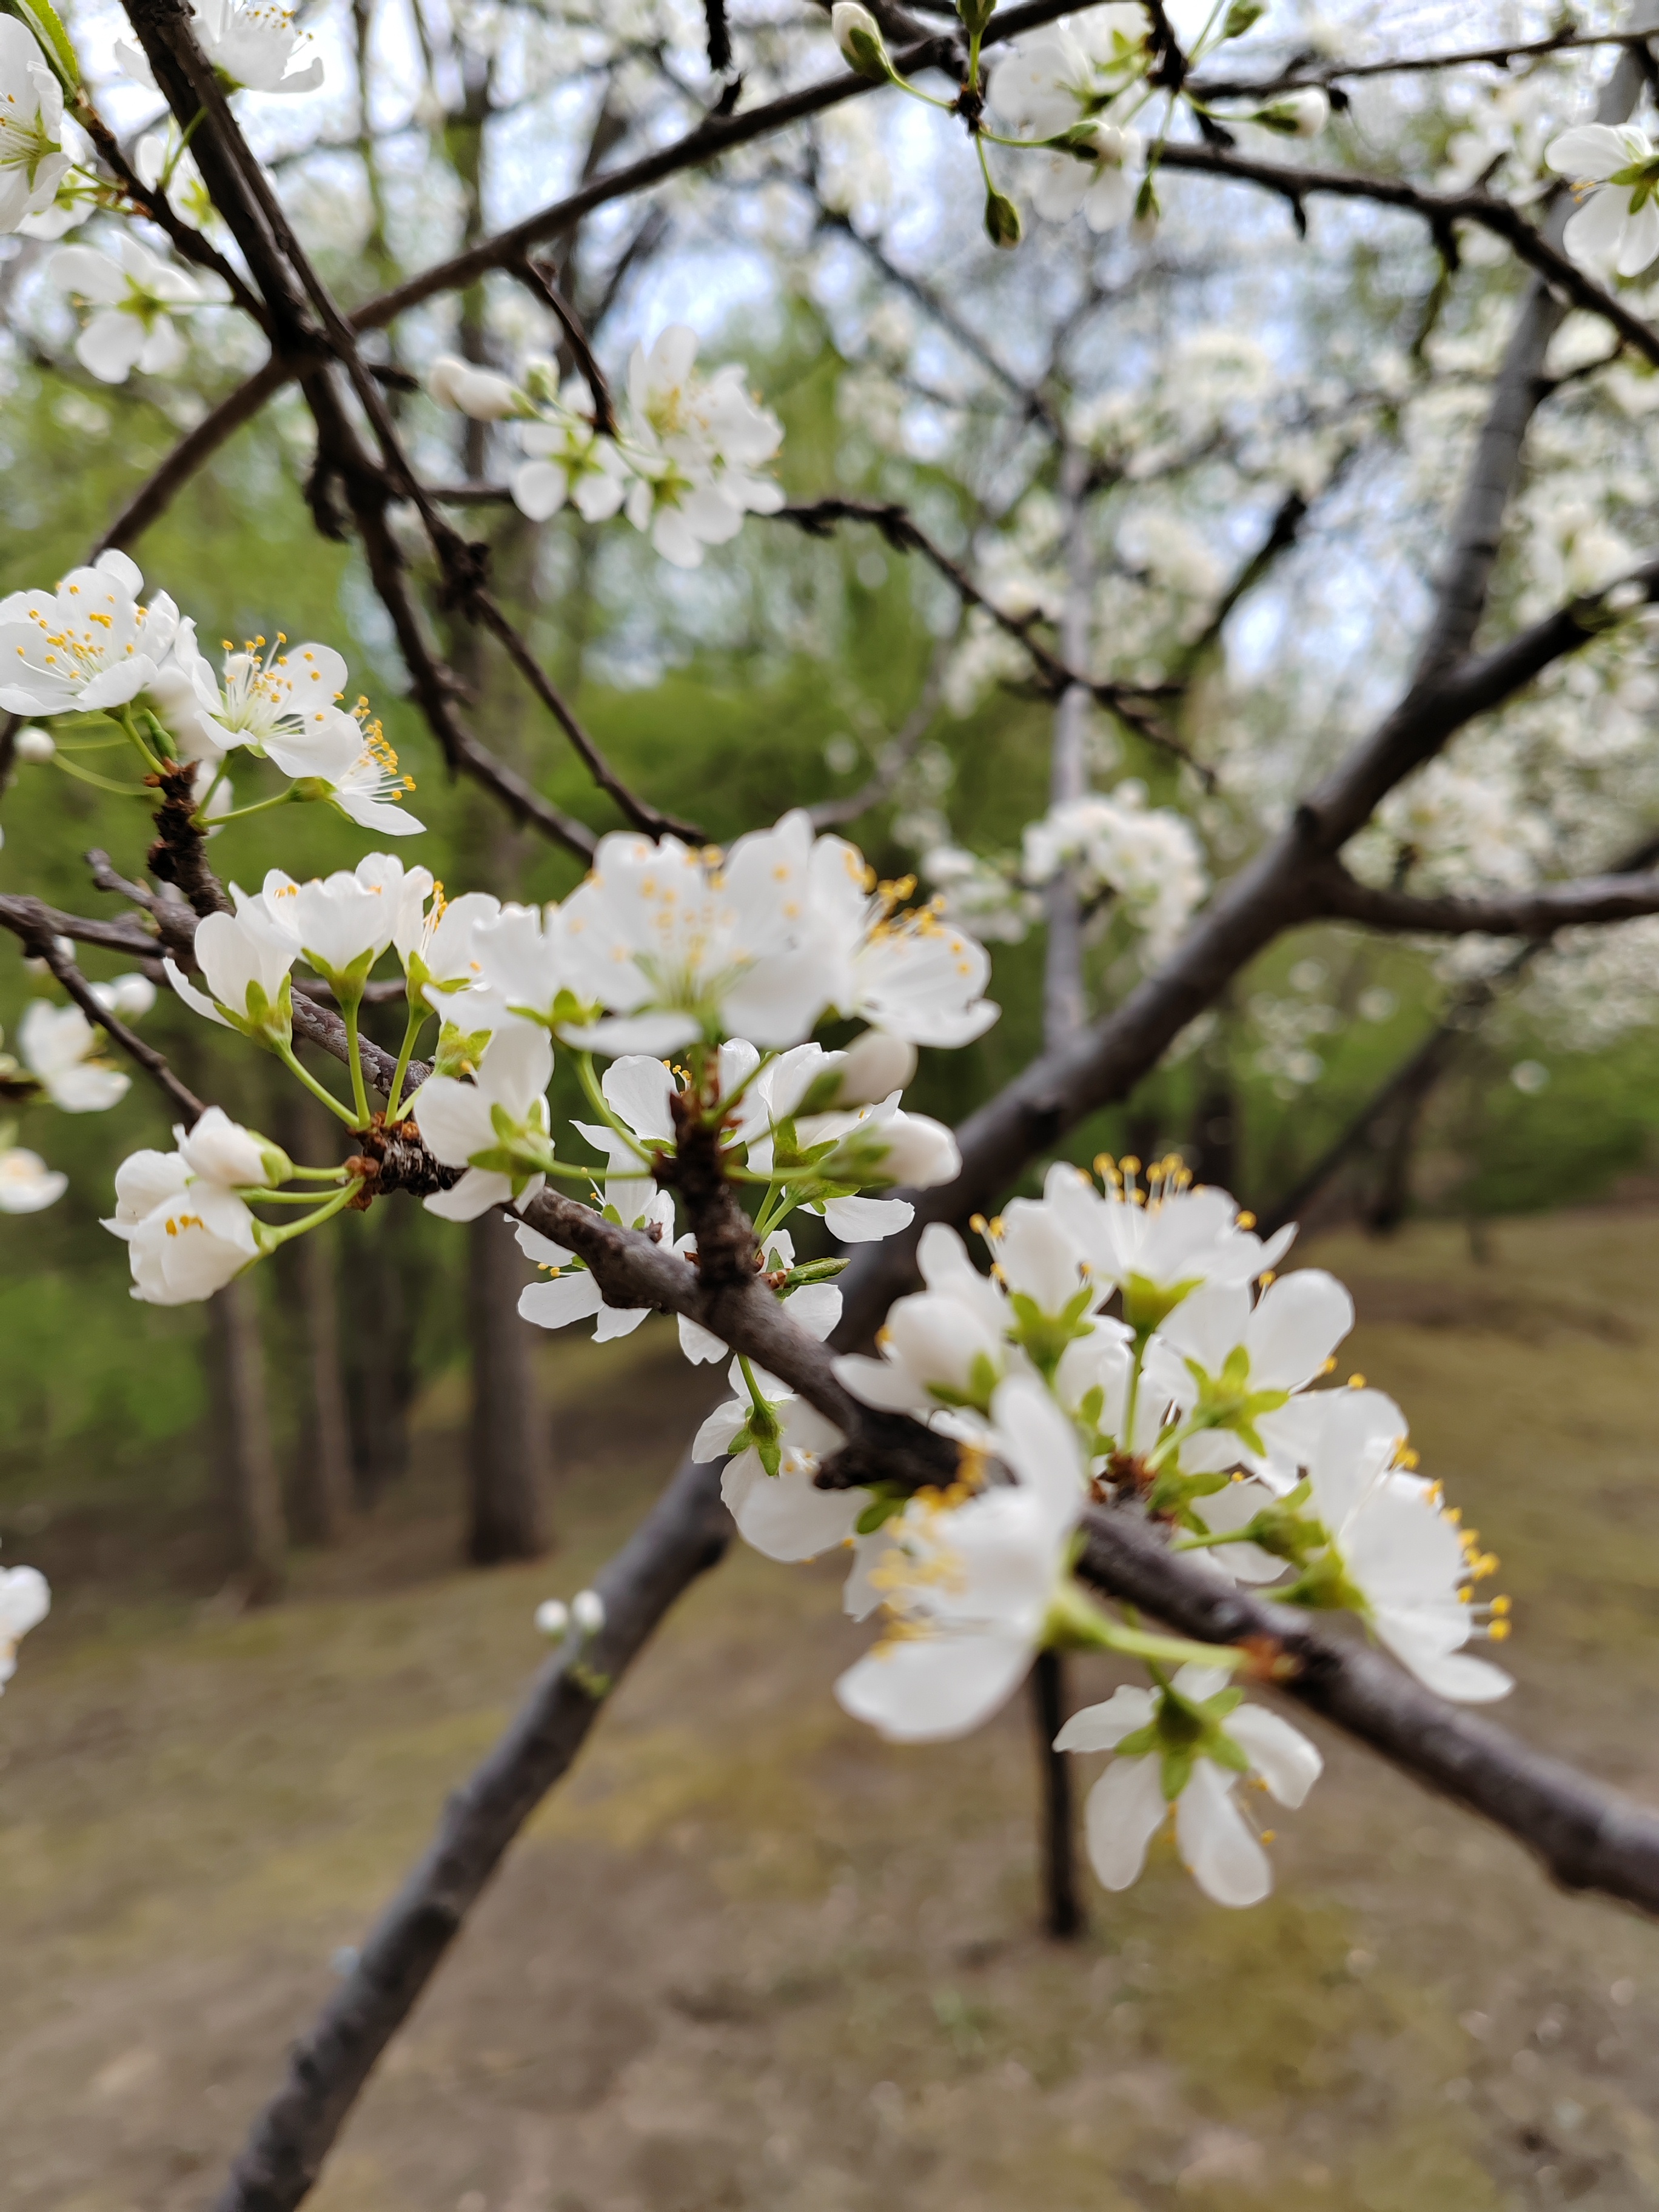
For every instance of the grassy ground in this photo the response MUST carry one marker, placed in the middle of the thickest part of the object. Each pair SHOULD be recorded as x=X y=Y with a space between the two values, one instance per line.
x=751 y=1958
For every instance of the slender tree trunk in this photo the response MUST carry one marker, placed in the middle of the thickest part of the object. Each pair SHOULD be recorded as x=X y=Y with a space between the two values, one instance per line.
x=379 y=1340
x=322 y=1478
x=507 y=1449
x=1065 y=1012
x=246 y=1459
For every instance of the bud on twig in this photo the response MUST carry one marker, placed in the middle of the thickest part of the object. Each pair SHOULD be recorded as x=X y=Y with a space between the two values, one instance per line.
x=1300 y=114
x=976 y=15
x=858 y=36
x=1002 y=223
x=1243 y=16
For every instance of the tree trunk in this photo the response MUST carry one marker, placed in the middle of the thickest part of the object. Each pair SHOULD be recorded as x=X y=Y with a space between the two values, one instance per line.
x=507 y=1449
x=379 y=1340
x=246 y=1461
x=322 y=1474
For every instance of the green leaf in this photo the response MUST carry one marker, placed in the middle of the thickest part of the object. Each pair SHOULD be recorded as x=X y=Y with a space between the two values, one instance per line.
x=42 y=18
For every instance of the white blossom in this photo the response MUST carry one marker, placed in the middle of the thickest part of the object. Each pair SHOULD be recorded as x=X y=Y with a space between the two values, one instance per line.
x=253 y=46
x=26 y=1183
x=244 y=958
x=495 y=1127
x=1617 y=228
x=970 y=1582
x=1149 y=856
x=192 y=1241
x=32 y=157
x=775 y=1450
x=129 y=998
x=1396 y=1556
x=909 y=974
x=696 y=446
x=569 y=457
x=134 y=300
x=60 y=1049
x=1158 y=1239
x=86 y=647
x=943 y=1347
x=1187 y=1748
x=25 y=1602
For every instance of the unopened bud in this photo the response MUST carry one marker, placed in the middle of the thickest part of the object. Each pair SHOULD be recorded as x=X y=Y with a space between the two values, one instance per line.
x=476 y=391
x=34 y=745
x=858 y=36
x=552 y=1618
x=1002 y=224
x=1301 y=114
x=1243 y=16
x=873 y=1066
x=1112 y=147
x=129 y=998
x=976 y=15
x=587 y=1610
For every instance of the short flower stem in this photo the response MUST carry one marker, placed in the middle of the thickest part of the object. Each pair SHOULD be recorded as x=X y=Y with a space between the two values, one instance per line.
x=749 y=1377
x=130 y=727
x=241 y=813
x=285 y=1054
x=318 y=1174
x=273 y=1237
x=350 y=1006
x=100 y=783
x=261 y=1196
x=418 y=1019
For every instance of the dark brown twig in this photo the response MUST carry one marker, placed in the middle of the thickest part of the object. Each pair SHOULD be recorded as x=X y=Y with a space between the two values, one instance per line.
x=905 y=535
x=540 y=281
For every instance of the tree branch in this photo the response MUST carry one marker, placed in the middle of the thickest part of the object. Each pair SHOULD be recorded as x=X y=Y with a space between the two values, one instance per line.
x=540 y=283
x=684 y=1535
x=1588 y=1837
x=905 y=535
x=37 y=926
x=1538 y=912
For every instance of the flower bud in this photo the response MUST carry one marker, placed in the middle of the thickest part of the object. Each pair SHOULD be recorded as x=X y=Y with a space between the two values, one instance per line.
x=476 y=391
x=552 y=1618
x=34 y=745
x=1301 y=114
x=1113 y=148
x=587 y=1611
x=219 y=1150
x=129 y=998
x=858 y=36
x=976 y=15
x=872 y=1067
x=920 y=1151
x=1243 y=15
x=1002 y=224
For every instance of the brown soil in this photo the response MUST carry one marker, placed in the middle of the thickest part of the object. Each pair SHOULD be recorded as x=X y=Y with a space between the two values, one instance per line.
x=748 y=1957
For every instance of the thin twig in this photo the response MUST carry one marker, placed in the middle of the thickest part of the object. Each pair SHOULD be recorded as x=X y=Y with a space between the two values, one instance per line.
x=540 y=281
x=37 y=926
x=905 y=535
x=1537 y=912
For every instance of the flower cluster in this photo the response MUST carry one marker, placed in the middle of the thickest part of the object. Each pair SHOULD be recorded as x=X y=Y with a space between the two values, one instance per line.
x=1072 y=93
x=684 y=467
x=91 y=647
x=1192 y=1401
x=728 y=959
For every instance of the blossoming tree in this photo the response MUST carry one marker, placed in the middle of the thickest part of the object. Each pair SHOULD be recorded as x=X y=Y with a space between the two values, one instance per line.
x=1106 y=1423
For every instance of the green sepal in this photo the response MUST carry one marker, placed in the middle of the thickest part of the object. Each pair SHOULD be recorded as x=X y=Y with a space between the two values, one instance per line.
x=1243 y=16
x=812 y=1270
x=1147 y=1306
x=1172 y=1492
x=1323 y=1586
x=347 y=983
x=272 y=1024
x=42 y=18
x=976 y=15
x=460 y=1050
x=983 y=1381
x=886 y=1503
x=1045 y=1336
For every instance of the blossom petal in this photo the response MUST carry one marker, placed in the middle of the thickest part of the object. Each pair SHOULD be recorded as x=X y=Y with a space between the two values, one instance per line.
x=1125 y=1809
x=928 y=1689
x=1215 y=1840
x=867 y=1220
x=554 y=1304
x=1281 y=1754
x=475 y=1193
x=1102 y=1728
